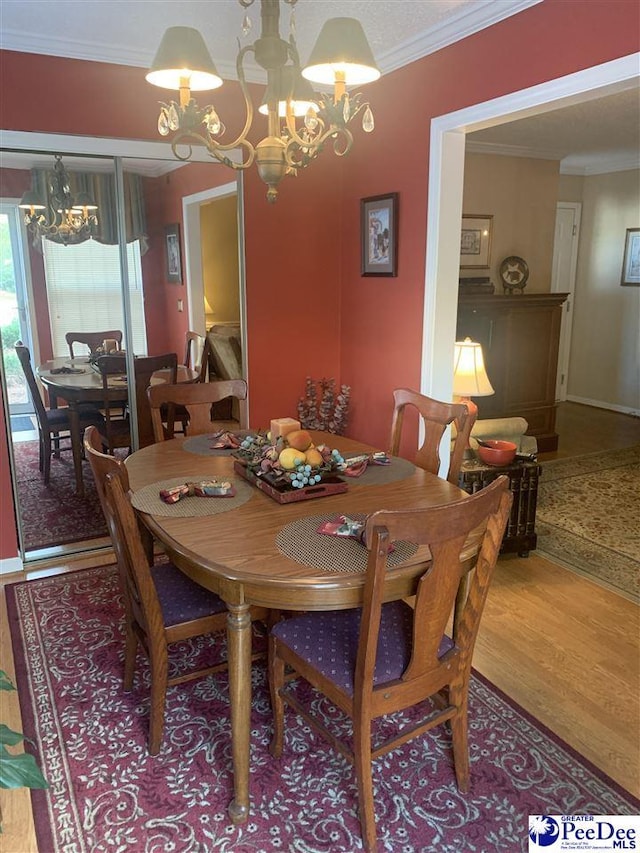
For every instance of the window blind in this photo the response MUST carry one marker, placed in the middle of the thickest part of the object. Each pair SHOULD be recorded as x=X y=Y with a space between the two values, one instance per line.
x=84 y=291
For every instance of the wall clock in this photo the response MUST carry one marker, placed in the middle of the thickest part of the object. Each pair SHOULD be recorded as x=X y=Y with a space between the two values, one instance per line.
x=514 y=273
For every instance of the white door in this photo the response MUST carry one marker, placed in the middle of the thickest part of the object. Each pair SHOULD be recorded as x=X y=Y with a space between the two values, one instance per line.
x=563 y=280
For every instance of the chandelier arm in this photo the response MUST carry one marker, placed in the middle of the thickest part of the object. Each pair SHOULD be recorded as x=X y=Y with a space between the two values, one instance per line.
x=186 y=137
x=241 y=139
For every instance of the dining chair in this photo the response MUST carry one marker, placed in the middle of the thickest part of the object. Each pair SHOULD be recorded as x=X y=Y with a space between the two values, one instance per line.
x=196 y=359
x=435 y=416
x=198 y=399
x=54 y=426
x=387 y=656
x=162 y=605
x=117 y=430
x=93 y=340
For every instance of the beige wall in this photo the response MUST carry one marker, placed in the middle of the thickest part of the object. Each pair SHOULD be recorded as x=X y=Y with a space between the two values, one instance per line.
x=570 y=188
x=604 y=366
x=219 y=232
x=521 y=194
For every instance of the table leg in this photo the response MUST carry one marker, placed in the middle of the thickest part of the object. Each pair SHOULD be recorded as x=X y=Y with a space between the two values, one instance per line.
x=239 y=656
x=76 y=447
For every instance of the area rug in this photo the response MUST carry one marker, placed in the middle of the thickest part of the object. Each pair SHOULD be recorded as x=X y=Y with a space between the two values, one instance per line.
x=55 y=514
x=107 y=794
x=22 y=423
x=588 y=517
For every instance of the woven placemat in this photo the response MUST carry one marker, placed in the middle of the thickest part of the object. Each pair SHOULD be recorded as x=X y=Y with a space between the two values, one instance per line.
x=379 y=475
x=201 y=444
x=300 y=541
x=148 y=500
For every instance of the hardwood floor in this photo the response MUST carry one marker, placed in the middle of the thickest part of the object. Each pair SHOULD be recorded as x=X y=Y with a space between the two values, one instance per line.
x=564 y=648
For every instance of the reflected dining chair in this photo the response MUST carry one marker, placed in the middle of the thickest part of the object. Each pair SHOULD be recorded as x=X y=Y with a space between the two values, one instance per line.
x=54 y=427
x=436 y=417
x=92 y=340
x=117 y=430
x=197 y=398
x=196 y=359
x=388 y=657
x=162 y=605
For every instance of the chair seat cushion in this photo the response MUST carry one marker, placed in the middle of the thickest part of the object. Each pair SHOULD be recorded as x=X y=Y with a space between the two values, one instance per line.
x=180 y=598
x=59 y=418
x=329 y=642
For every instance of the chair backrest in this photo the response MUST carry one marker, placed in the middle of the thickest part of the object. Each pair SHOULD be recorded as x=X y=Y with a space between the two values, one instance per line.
x=444 y=529
x=141 y=598
x=196 y=354
x=93 y=340
x=197 y=398
x=145 y=368
x=436 y=416
x=102 y=464
x=24 y=357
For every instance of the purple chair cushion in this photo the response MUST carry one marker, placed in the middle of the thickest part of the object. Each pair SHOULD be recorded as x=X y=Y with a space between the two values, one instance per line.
x=329 y=642
x=180 y=598
x=60 y=417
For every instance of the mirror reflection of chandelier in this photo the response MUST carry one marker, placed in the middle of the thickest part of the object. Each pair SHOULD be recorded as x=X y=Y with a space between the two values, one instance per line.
x=341 y=58
x=61 y=216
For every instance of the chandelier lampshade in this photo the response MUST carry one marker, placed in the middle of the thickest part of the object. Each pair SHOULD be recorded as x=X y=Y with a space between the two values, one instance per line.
x=183 y=54
x=341 y=51
x=300 y=122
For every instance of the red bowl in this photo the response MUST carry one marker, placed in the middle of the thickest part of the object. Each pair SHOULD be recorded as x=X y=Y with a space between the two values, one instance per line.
x=497 y=453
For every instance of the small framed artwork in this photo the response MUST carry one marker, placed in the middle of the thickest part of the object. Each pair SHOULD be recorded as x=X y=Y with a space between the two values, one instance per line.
x=631 y=259
x=379 y=235
x=475 y=241
x=172 y=251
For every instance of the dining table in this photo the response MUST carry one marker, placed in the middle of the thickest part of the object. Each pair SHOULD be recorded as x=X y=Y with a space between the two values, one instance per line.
x=78 y=381
x=252 y=549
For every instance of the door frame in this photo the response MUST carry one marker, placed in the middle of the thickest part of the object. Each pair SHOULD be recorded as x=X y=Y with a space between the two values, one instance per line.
x=444 y=197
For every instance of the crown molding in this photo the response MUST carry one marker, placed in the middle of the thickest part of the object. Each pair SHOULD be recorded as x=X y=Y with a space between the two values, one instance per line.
x=470 y=20
x=575 y=164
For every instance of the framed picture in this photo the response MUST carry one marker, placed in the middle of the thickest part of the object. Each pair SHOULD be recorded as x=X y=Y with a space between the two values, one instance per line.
x=172 y=251
x=631 y=259
x=475 y=241
x=379 y=235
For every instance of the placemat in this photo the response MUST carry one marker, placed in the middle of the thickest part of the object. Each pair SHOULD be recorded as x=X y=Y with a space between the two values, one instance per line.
x=201 y=444
x=148 y=500
x=378 y=475
x=300 y=541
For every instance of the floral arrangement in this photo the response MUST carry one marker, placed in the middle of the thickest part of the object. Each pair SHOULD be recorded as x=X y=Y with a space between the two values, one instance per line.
x=321 y=408
x=292 y=460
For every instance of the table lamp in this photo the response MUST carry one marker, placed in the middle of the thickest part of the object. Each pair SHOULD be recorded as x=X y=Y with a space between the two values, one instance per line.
x=469 y=375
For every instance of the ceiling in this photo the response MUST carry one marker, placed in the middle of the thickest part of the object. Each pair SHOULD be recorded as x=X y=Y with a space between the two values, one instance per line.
x=598 y=135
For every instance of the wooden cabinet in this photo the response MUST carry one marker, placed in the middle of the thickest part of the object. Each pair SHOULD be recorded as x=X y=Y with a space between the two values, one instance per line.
x=519 y=336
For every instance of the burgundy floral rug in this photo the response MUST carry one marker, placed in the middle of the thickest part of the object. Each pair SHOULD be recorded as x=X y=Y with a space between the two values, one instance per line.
x=107 y=793
x=55 y=514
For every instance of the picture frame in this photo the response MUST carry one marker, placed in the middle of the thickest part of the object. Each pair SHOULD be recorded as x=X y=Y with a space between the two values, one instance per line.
x=172 y=253
x=475 y=241
x=379 y=235
x=630 y=276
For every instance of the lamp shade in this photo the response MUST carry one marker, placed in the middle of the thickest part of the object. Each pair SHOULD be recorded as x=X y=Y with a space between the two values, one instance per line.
x=183 y=54
x=469 y=375
x=31 y=201
x=342 y=48
x=286 y=83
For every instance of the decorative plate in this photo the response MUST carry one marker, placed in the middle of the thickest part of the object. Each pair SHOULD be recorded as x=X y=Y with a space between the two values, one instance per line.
x=514 y=273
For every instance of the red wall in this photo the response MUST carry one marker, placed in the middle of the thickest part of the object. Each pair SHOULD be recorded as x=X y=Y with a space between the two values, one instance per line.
x=309 y=310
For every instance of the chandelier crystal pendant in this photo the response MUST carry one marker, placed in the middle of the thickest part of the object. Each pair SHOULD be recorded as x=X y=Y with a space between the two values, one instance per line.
x=62 y=217
x=300 y=121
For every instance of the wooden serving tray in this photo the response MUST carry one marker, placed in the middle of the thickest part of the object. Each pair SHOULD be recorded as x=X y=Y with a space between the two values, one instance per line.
x=284 y=494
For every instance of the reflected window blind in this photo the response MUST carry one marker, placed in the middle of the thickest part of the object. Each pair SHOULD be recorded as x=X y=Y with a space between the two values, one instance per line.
x=83 y=291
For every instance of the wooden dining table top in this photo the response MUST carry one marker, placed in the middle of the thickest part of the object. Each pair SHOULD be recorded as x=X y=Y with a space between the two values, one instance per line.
x=235 y=552
x=79 y=377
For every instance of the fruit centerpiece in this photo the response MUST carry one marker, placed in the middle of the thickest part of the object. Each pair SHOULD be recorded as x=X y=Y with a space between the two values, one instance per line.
x=290 y=463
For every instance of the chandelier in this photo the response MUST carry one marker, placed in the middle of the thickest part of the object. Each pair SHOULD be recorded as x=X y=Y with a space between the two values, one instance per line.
x=300 y=121
x=56 y=214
